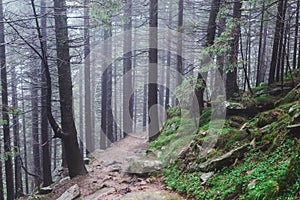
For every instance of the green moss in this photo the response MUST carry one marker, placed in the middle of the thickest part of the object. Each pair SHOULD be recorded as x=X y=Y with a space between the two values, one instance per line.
x=264 y=100
x=231 y=138
x=262 y=86
x=205 y=117
x=174 y=112
x=269 y=117
x=293 y=95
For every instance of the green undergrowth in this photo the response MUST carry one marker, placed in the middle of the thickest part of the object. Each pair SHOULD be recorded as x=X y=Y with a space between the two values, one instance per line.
x=257 y=177
x=270 y=168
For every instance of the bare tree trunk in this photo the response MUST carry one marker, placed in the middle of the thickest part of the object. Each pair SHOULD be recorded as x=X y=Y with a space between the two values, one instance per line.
x=89 y=135
x=169 y=56
x=35 y=129
x=232 y=88
x=153 y=129
x=81 y=132
x=24 y=139
x=127 y=65
x=179 y=43
x=46 y=155
x=5 y=116
x=260 y=47
x=74 y=160
x=16 y=131
x=277 y=36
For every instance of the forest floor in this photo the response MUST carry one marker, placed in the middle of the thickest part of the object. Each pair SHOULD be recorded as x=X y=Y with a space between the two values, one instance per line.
x=107 y=179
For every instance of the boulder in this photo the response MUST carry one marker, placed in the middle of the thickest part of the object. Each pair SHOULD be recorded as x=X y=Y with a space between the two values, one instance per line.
x=224 y=160
x=140 y=166
x=72 y=193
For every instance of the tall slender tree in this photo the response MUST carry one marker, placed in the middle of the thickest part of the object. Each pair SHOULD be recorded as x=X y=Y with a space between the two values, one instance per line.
x=5 y=116
x=232 y=88
x=46 y=156
x=153 y=129
x=16 y=131
x=73 y=157
x=127 y=70
x=276 y=41
x=87 y=81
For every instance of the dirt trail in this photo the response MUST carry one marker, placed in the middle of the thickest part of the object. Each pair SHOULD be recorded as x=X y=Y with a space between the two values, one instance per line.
x=108 y=181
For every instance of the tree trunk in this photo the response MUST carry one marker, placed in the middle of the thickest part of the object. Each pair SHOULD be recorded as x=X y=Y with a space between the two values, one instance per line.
x=5 y=116
x=277 y=37
x=46 y=155
x=35 y=129
x=232 y=88
x=127 y=71
x=81 y=132
x=153 y=129
x=179 y=44
x=89 y=136
x=73 y=157
x=24 y=138
x=16 y=131
x=260 y=47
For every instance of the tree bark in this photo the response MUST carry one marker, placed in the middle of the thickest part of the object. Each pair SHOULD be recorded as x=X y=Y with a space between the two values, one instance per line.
x=153 y=129
x=276 y=41
x=89 y=135
x=16 y=131
x=127 y=71
x=232 y=88
x=46 y=155
x=73 y=157
x=5 y=110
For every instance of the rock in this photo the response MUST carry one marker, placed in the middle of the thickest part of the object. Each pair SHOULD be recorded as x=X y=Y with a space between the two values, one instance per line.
x=60 y=173
x=205 y=177
x=224 y=160
x=294 y=130
x=46 y=190
x=294 y=108
x=100 y=193
x=251 y=185
x=64 y=179
x=150 y=196
x=274 y=92
x=72 y=193
x=143 y=166
x=238 y=109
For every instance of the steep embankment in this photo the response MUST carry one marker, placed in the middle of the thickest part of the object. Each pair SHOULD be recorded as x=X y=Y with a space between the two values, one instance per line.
x=256 y=155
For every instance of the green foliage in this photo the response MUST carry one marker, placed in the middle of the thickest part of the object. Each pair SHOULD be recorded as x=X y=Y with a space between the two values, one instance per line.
x=205 y=117
x=105 y=11
x=185 y=91
x=263 y=170
x=167 y=134
x=174 y=112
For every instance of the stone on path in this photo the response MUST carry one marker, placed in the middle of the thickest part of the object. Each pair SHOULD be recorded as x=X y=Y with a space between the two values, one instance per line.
x=72 y=193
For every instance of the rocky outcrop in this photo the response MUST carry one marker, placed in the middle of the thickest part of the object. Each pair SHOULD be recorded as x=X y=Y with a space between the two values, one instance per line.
x=72 y=193
x=227 y=159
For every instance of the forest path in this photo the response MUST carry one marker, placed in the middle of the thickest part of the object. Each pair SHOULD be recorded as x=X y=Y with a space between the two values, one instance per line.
x=107 y=179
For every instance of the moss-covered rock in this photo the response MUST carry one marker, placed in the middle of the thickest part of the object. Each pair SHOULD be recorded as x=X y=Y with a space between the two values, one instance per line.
x=269 y=117
x=293 y=95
